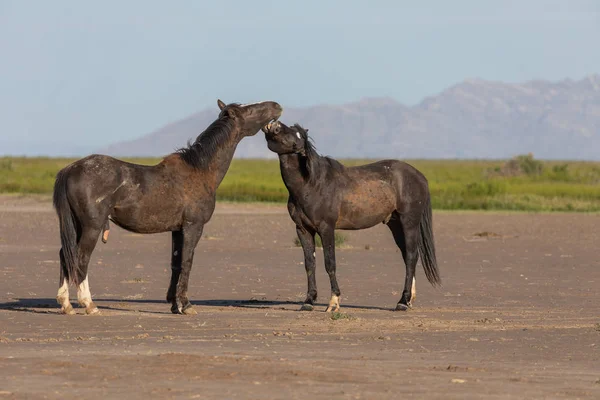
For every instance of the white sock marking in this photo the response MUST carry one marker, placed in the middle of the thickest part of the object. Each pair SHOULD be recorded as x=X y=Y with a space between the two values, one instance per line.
x=83 y=293
x=63 y=294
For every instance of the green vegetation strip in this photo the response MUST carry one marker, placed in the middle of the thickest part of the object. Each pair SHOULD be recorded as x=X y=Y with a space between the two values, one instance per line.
x=521 y=184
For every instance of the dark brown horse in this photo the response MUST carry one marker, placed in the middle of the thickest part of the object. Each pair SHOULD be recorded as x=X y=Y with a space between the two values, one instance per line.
x=176 y=195
x=325 y=195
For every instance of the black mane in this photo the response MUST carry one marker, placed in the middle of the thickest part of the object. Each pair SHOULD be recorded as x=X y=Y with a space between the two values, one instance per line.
x=313 y=161
x=198 y=154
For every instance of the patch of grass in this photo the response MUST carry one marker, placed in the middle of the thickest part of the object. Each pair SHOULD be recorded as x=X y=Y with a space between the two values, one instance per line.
x=135 y=280
x=336 y=315
x=520 y=184
x=339 y=238
x=6 y=164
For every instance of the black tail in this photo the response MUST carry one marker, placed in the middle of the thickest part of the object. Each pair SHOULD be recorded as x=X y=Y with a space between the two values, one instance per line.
x=68 y=227
x=427 y=247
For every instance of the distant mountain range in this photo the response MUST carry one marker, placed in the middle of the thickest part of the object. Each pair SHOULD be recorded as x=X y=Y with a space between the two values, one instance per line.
x=473 y=119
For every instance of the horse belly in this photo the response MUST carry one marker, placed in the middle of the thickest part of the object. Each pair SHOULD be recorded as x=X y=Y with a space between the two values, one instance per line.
x=368 y=204
x=142 y=218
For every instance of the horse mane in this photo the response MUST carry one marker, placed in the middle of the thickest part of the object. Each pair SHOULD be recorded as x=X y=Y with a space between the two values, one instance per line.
x=199 y=153
x=314 y=164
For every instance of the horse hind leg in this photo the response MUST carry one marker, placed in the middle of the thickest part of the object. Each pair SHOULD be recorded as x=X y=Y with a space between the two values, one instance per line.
x=63 y=288
x=86 y=246
x=405 y=231
x=85 y=298
x=334 y=304
x=413 y=292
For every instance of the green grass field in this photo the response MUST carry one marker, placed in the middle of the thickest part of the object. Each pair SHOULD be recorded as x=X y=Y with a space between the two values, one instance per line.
x=522 y=184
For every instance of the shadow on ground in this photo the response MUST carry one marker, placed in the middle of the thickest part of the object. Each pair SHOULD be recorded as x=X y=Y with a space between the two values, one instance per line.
x=33 y=305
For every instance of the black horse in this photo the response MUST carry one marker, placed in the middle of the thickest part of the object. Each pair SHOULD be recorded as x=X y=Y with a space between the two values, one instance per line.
x=325 y=195
x=176 y=195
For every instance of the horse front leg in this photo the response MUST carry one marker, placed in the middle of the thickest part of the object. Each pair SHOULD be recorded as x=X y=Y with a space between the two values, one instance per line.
x=328 y=239
x=176 y=253
x=181 y=303
x=307 y=240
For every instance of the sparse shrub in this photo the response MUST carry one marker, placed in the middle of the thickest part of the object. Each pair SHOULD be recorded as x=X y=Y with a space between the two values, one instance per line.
x=526 y=165
x=518 y=166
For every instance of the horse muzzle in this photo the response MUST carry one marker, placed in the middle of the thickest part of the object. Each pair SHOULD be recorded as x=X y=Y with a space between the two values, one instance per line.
x=270 y=127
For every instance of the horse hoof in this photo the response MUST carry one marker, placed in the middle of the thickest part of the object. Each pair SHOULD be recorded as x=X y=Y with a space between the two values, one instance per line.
x=189 y=311
x=67 y=310
x=401 y=307
x=92 y=310
x=307 y=307
x=334 y=304
x=175 y=309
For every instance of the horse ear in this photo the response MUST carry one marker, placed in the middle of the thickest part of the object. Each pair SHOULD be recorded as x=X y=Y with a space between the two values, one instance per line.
x=221 y=104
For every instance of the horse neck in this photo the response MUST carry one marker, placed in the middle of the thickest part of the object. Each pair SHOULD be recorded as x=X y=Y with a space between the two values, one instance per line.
x=221 y=159
x=291 y=173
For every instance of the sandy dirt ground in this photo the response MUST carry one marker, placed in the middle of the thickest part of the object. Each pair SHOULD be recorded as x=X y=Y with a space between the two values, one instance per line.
x=518 y=316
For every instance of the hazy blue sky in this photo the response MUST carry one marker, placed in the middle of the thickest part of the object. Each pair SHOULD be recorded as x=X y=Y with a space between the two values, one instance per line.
x=76 y=75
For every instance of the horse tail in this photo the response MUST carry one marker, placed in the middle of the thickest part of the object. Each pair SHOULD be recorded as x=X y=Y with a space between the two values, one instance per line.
x=68 y=227
x=427 y=247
